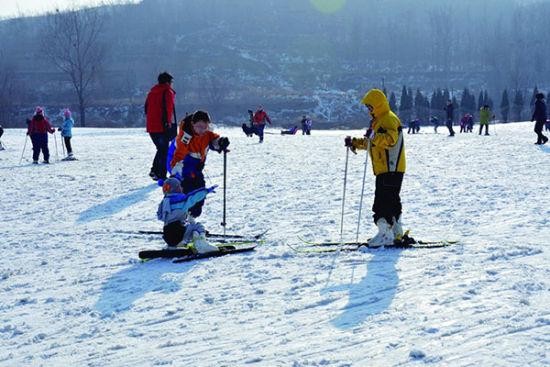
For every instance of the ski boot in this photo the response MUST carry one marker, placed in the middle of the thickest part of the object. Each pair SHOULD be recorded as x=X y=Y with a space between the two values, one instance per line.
x=200 y=245
x=384 y=237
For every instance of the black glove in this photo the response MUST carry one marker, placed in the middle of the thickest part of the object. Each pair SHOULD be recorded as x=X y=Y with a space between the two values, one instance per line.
x=347 y=142
x=223 y=143
x=59 y=129
x=369 y=132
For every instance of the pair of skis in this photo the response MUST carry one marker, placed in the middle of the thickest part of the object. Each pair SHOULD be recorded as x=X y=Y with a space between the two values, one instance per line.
x=227 y=244
x=405 y=243
x=184 y=254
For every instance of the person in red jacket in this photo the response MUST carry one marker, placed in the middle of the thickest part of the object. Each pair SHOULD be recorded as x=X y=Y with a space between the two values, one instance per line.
x=192 y=144
x=259 y=120
x=38 y=130
x=159 y=108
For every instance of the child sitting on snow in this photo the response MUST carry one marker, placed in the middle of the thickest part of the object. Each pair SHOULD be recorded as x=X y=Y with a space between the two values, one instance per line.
x=179 y=227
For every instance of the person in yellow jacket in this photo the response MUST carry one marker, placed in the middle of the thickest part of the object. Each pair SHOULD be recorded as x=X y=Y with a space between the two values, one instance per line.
x=384 y=140
x=484 y=117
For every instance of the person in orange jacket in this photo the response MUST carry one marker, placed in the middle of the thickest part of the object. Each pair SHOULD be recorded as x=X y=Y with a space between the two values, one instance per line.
x=192 y=144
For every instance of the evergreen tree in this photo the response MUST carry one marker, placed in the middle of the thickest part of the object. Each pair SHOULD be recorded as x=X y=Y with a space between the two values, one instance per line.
x=505 y=106
x=468 y=102
x=455 y=104
x=480 y=100
x=487 y=100
x=518 y=105
x=446 y=96
x=437 y=104
x=420 y=106
x=405 y=105
x=393 y=102
x=403 y=100
x=533 y=97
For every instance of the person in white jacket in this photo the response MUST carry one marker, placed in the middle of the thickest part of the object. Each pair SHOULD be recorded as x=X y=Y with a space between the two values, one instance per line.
x=180 y=229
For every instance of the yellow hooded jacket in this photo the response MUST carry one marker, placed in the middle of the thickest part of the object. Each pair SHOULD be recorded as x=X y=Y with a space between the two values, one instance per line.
x=387 y=149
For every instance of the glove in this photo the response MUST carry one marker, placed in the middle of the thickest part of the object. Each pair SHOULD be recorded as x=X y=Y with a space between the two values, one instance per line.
x=370 y=134
x=59 y=129
x=223 y=143
x=210 y=190
x=347 y=142
x=176 y=170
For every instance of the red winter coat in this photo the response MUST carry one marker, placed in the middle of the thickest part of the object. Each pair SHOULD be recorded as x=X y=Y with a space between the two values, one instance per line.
x=260 y=117
x=158 y=113
x=40 y=125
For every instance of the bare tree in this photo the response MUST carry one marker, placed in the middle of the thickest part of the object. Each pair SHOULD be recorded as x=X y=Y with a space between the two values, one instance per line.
x=7 y=90
x=71 y=41
x=213 y=87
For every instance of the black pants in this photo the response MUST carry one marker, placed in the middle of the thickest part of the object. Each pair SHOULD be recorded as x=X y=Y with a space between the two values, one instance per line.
x=67 y=140
x=450 y=127
x=189 y=184
x=40 y=143
x=541 y=138
x=173 y=233
x=486 y=129
x=161 y=141
x=387 y=202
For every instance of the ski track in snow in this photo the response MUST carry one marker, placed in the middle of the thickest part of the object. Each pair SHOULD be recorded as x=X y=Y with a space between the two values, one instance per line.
x=74 y=293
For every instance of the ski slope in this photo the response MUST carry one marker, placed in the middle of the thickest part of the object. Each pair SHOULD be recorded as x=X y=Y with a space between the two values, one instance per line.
x=73 y=293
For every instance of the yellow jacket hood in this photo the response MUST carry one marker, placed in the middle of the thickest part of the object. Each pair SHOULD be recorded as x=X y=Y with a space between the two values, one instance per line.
x=377 y=99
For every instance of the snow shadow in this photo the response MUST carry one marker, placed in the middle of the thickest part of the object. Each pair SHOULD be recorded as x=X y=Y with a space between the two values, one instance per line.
x=115 y=205
x=545 y=148
x=373 y=294
x=122 y=289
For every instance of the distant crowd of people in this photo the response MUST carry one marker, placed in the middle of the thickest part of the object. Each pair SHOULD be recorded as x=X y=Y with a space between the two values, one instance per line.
x=466 y=122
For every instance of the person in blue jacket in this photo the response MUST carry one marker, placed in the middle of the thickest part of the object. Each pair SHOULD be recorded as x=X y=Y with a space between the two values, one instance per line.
x=180 y=229
x=67 y=133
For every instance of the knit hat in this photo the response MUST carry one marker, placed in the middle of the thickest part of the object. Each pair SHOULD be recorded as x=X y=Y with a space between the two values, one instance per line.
x=171 y=185
x=67 y=113
x=39 y=111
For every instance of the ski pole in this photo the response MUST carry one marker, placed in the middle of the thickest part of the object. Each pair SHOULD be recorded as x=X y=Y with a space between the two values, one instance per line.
x=24 y=146
x=56 y=151
x=344 y=196
x=223 y=223
x=63 y=146
x=332 y=265
x=362 y=192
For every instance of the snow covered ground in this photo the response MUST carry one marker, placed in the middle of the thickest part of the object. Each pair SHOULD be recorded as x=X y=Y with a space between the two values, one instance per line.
x=73 y=293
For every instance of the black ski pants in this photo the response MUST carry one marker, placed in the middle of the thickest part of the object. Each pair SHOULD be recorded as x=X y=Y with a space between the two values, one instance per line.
x=161 y=141
x=387 y=202
x=486 y=128
x=40 y=143
x=450 y=127
x=67 y=140
x=541 y=138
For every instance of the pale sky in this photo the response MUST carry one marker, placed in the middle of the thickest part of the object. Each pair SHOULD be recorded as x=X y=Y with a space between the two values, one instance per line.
x=13 y=8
